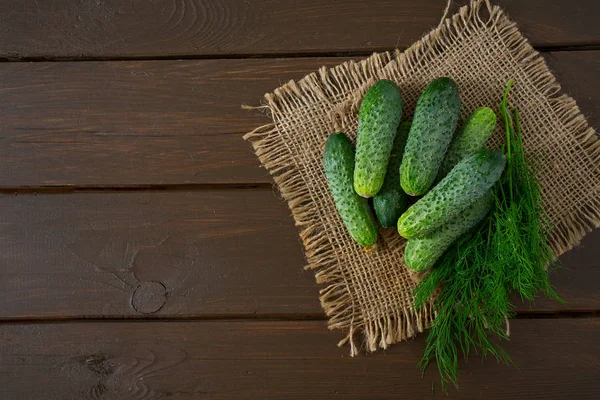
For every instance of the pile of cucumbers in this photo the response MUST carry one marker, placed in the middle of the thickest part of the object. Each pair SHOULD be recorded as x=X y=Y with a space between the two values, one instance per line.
x=451 y=173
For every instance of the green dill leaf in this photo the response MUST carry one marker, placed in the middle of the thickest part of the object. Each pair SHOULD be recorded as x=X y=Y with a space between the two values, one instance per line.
x=507 y=253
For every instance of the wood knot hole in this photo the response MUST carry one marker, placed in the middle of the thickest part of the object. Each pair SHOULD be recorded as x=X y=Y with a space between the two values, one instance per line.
x=149 y=297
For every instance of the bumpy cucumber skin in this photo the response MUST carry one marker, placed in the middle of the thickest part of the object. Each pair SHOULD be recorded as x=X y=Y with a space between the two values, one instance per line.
x=432 y=128
x=469 y=180
x=469 y=139
x=421 y=254
x=391 y=201
x=378 y=120
x=354 y=210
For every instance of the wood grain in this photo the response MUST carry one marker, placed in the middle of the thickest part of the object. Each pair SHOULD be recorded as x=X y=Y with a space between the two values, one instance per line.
x=202 y=254
x=144 y=254
x=279 y=360
x=135 y=123
x=164 y=122
x=139 y=28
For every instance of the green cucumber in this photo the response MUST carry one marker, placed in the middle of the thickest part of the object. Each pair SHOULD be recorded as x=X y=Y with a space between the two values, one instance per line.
x=432 y=128
x=378 y=119
x=469 y=180
x=354 y=210
x=421 y=254
x=469 y=139
x=391 y=201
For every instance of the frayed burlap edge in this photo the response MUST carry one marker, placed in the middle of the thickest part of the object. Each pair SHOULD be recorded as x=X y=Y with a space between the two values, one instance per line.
x=270 y=147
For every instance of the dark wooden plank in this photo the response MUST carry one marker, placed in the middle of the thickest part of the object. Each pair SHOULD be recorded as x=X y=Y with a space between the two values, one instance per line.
x=151 y=253
x=126 y=123
x=279 y=360
x=163 y=122
x=177 y=254
x=139 y=28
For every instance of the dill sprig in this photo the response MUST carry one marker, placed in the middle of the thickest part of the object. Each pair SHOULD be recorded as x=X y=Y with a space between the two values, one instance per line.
x=508 y=252
x=523 y=230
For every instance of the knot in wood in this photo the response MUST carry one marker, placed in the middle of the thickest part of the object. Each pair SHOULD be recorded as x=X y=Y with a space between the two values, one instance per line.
x=149 y=297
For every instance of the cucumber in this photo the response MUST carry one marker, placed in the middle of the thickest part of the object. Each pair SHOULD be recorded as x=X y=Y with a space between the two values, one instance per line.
x=378 y=120
x=432 y=128
x=421 y=253
x=354 y=210
x=391 y=201
x=468 y=181
x=470 y=139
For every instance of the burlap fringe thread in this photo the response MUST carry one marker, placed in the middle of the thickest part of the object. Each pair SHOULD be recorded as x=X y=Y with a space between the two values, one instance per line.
x=343 y=79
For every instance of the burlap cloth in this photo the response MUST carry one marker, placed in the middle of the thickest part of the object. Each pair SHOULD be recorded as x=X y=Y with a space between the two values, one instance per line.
x=369 y=293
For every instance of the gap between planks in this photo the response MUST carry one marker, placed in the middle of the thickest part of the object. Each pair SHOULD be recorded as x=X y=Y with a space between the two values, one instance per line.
x=563 y=314
x=192 y=187
x=240 y=56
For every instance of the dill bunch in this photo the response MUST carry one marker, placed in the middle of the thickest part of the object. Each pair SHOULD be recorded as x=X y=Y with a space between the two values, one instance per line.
x=508 y=252
x=467 y=317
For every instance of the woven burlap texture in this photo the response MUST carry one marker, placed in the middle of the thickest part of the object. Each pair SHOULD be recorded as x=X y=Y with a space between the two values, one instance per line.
x=369 y=293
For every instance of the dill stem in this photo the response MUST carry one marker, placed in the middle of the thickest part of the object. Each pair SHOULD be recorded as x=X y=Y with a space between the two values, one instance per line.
x=509 y=134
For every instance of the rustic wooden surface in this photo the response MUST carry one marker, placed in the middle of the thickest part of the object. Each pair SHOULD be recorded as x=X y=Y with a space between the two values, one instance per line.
x=232 y=28
x=144 y=253
x=279 y=360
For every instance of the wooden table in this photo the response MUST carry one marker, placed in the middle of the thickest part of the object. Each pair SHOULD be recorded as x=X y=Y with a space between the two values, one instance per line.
x=145 y=254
